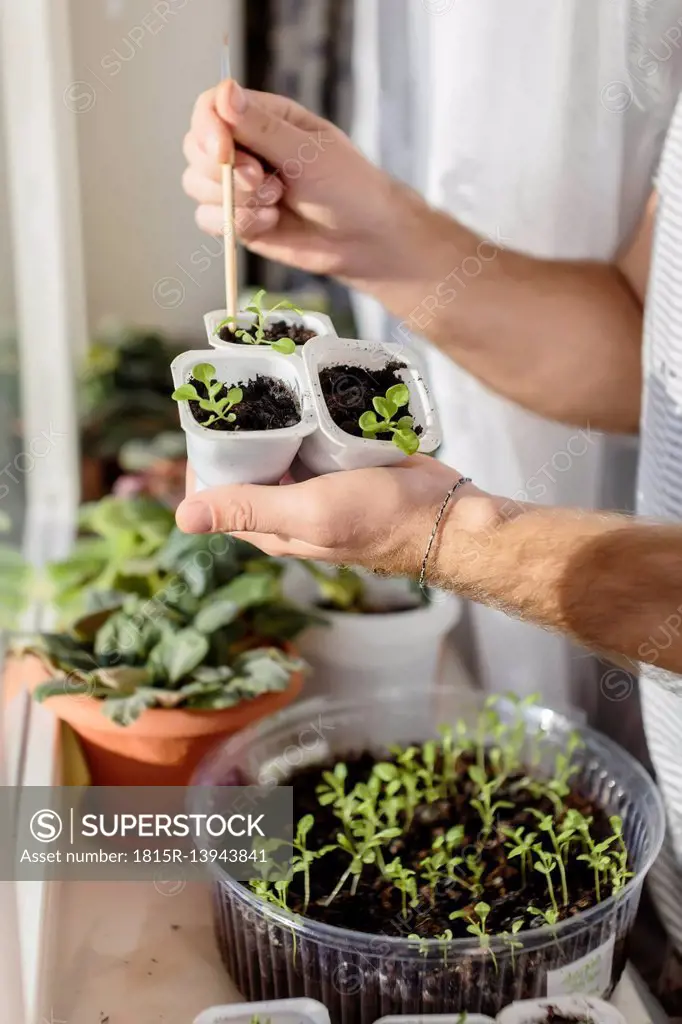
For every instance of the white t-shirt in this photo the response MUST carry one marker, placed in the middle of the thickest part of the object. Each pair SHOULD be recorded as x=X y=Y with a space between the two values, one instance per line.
x=660 y=496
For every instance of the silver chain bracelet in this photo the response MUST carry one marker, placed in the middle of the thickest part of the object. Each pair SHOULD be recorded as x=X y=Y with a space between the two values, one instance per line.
x=453 y=490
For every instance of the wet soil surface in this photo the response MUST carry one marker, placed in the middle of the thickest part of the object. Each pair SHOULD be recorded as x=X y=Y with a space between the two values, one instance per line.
x=277 y=330
x=268 y=404
x=348 y=392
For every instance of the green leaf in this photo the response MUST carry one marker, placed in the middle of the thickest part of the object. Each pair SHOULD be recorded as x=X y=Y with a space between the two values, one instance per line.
x=405 y=423
x=208 y=674
x=215 y=615
x=368 y=422
x=60 y=688
x=284 y=345
x=398 y=395
x=186 y=650
x=247 y=591
x=385 y=408
x=204 y=373
x=407 y=441
x=125 y=680
x=235 y=396
x=231 y=418
x=126 y=710
x=185 y=393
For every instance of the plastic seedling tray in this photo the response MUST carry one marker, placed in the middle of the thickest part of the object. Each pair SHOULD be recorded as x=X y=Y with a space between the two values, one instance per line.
x=534 y=1011
x=330 y=449
x=275 y=1011
x=318 y=322
x=257 y=457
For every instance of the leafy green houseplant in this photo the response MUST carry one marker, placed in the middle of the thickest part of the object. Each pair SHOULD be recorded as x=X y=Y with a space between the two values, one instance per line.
x=155 y=621
x=381 y=420
x=124 y=389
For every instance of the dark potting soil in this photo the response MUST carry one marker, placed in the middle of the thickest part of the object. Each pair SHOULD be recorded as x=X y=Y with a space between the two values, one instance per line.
x=348 y=392
x=279 y=329
x=376 y=906
x=268 y=404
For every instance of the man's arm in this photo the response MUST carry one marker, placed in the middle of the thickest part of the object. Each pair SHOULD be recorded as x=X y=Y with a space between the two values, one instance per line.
x=561 y=338
x=611 y=582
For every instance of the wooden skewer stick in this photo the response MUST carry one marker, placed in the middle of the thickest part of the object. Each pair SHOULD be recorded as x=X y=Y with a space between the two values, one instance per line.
x=229 y=213
x=231 y=252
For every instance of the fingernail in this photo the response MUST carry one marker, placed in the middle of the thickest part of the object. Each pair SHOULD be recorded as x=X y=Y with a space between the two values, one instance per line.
x=238 y=99
x=194 y=517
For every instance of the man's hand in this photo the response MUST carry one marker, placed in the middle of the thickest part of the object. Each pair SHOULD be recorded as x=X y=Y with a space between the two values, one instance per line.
x=320 y=205
x=378 y=518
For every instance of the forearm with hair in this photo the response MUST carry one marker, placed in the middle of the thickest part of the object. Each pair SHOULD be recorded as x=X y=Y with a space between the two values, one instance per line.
x=611 y=582
x=561 y=338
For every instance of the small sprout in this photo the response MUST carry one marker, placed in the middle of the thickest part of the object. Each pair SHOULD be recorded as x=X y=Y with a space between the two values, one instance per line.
x=545 y=865
x=619 y=868
x=363 y=851
x=600 y=862
x=546 y=824
x=381 y=420
x=405 y=882
x=484 y=804
x=550 y=917
x=451 y=840
x=478 y=927
x=332 y=790
x=219 y=408
x=509 y=940
x=521 y=845
x=256 y=335
x=305 y=857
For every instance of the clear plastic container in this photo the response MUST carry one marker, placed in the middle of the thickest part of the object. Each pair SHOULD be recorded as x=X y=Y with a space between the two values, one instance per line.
x=360 y=977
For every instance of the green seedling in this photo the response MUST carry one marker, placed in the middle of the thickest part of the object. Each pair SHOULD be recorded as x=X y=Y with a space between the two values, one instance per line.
x=382 y=421
x=511 y=942
x=255 y=335
x=545 y=865
x=405 y=882
x=306 y=857
x=600 y=862
x=546 y=824
x=619 y=868
x=550 y=917
x=521 y=845
x=450 y=840
x=483 y=803
x=362 y=850
x=219 y=408
x=477 y=927
x=332 y=790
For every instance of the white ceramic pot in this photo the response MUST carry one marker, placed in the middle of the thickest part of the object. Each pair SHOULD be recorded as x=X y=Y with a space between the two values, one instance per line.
x=257 y=457
x=277 y=1011
x=318 y=322
x=534 y=1011
x=354 y=653
x=329 y=448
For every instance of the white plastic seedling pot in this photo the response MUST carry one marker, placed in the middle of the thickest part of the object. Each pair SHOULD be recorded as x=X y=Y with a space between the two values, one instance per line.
x=256 y=457
x=580 y=1008
x=331 y=449
x=276 y=1011
x=318 y=322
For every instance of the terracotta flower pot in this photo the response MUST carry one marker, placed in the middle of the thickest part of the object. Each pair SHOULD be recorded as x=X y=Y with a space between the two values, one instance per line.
x=164 y=746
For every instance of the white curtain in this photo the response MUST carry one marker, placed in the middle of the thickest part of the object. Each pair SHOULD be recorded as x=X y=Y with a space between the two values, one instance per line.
x=538 y=123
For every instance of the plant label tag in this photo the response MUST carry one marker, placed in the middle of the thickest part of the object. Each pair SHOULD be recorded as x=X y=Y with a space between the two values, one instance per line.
x=588 y=976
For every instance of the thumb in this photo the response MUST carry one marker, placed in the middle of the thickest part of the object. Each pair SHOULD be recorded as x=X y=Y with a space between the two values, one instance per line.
x=272 y=127
x=242 y=508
